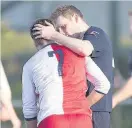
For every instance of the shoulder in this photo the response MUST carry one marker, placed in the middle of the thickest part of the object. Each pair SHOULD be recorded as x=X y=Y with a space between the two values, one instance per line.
x=29 y=63
x=26 y=66
x=94 y=30
x=101 y=33
x=35 y=58
x=94 y=33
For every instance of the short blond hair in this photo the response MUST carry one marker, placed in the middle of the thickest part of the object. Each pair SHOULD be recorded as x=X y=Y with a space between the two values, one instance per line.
x=67 y=11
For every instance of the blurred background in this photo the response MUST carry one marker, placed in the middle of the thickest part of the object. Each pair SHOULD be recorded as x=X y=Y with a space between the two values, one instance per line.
x=17 y=46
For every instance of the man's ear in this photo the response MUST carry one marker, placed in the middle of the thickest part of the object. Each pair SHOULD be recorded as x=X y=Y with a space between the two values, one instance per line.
x=76 y=18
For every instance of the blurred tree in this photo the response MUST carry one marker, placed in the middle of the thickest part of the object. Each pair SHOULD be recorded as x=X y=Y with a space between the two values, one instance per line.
x=16 y=49
x=123 y=53
x=13 y=43
x=7 y=5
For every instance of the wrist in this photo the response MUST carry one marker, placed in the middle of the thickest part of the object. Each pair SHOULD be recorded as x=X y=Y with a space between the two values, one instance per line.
x=17 y=122
x=54 y=35
x=89 y=101
x=115 y=101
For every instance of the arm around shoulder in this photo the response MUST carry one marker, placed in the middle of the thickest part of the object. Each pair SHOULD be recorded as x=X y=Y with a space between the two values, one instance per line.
x=81 y=47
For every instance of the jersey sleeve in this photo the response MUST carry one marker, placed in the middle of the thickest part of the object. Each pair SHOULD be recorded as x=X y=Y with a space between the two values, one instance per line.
x=28 y=96
x=96 y=76
x=96 y=40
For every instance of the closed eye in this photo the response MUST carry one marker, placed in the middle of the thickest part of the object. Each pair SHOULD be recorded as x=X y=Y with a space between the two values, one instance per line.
x=57 y=29
x=63 y=27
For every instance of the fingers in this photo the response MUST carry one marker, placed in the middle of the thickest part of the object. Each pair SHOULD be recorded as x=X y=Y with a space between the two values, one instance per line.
x=37 y=33
x=48 y=23
x=38 y=37
x=37 y=28
x=40 y=30
x=38 y=25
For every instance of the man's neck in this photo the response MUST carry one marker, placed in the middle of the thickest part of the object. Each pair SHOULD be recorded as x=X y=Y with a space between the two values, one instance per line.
x=86 y=27
x=39 y=47
x=83 y=28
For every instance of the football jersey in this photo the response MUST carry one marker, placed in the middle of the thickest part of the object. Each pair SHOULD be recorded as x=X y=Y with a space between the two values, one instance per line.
x=55 y=79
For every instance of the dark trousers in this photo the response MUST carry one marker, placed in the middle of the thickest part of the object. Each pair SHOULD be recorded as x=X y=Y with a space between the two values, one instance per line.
x=101 y=119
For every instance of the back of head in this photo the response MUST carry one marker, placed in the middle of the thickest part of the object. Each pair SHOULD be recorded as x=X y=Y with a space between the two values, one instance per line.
x=38 y=42
x=39 y=21
x=66 y=11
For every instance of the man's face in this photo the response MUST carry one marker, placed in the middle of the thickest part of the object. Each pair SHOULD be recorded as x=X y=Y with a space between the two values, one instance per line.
x=67 y=26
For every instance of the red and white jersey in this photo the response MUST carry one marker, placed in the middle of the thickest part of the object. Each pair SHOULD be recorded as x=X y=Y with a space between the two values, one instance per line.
x=55 y=79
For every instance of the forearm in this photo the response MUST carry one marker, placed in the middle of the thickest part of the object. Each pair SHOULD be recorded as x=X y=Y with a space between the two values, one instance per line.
x=123 y=93
x=94 y=97
x=9 y=106
x=96 y=76
x=31 y=124
x=12 y=113
x=83 y=48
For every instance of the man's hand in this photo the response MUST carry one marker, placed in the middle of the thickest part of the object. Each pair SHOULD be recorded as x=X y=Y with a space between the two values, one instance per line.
x=124 y=93
x=94 y=97
x=45 y=32
x=81 y=47
x=114 y=102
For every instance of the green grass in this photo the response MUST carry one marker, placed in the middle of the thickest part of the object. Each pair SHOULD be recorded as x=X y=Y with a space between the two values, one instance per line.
x=16 y=91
